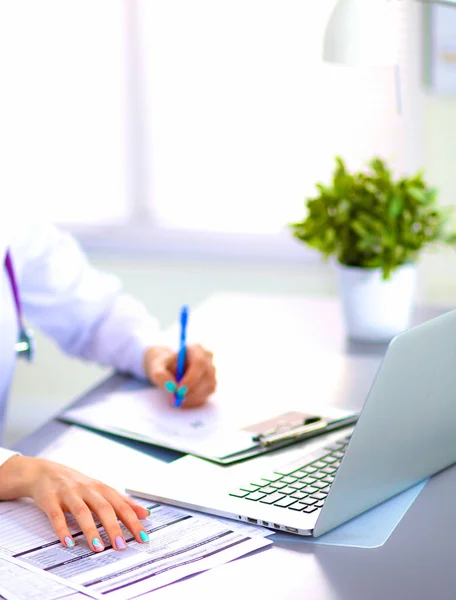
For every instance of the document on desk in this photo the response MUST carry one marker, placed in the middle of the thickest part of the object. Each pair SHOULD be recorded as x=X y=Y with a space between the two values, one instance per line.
x=212 y=431
x=181 y=543
x=19 y=583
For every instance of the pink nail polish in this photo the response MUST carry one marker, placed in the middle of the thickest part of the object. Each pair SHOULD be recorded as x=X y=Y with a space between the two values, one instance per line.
x=120 y=543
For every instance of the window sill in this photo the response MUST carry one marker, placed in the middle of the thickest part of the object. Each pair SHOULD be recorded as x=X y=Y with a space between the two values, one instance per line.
x=132 y=240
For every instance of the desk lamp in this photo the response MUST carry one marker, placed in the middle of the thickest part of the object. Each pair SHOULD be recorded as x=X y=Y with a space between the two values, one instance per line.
x=361 y=33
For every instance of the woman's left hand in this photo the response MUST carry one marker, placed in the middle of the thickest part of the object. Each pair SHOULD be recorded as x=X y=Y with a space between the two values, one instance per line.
x=198 y=382
x=59 y=490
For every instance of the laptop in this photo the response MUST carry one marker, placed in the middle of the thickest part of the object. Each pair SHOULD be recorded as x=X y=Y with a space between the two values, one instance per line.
x=405 y=433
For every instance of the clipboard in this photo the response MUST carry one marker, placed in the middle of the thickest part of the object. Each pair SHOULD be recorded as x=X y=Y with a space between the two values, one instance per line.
x=145 y=415
x=284 y=430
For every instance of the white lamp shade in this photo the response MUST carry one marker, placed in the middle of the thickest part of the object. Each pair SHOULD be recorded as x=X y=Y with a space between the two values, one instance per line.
x=362 y=33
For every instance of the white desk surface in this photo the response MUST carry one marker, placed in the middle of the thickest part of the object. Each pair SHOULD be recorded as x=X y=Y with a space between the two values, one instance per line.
x=283 y=346
x=296 y=347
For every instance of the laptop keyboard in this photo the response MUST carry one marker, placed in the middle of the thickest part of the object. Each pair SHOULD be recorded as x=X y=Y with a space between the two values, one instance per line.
x=301 y=485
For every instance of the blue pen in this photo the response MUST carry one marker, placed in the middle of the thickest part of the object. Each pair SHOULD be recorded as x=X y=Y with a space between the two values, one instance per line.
x=181 y=356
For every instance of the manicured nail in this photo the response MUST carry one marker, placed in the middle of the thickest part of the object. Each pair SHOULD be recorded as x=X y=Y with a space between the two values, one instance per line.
x=170 y=386
x=96 y=543
x=144 y=537
x=182 y=391
x=148 y=513
x=69 y=542
x=120 y=543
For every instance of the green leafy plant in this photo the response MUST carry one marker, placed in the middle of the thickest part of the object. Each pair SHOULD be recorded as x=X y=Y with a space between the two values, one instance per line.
x=369 y=219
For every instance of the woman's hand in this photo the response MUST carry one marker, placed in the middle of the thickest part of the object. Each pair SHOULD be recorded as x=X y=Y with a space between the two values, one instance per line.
x=57 y=490
x=198 y=382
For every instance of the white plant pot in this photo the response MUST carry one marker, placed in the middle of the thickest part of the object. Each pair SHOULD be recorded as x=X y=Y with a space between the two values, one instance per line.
x=376 y=310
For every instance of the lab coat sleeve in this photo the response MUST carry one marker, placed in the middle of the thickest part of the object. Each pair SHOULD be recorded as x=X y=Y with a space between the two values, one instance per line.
x=80 y=307
x=5 y=455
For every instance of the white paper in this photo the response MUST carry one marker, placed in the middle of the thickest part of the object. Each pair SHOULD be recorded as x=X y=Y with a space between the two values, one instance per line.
x=18 y=583
x=181 y=543
x=212 y=430
x=147 y=415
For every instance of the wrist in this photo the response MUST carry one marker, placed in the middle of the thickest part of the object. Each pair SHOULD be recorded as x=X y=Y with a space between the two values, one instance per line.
x=15 y=477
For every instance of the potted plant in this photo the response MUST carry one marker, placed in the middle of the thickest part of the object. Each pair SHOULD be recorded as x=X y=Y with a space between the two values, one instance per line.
x=375 y=226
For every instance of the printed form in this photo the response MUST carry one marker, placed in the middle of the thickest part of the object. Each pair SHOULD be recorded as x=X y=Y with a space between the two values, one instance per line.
x=17 y=583
x=181 y=543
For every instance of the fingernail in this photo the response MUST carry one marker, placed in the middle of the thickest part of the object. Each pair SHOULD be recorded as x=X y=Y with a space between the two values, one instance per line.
x=148 y=513
x=98 y=546
x=69 y=542
x=182 y=391
x=170 y=386
x=120 y=543
x=144 y=537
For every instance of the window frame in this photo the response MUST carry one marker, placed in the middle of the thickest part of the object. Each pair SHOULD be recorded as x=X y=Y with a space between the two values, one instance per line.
x=137 y=239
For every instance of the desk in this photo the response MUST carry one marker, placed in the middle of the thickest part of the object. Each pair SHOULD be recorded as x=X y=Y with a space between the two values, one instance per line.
x=301 y=340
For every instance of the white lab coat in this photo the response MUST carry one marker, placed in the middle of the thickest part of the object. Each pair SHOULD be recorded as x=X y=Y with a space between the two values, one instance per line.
x=81 y=308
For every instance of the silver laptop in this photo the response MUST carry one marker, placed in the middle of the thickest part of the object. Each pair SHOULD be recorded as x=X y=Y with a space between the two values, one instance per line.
x=406 y=432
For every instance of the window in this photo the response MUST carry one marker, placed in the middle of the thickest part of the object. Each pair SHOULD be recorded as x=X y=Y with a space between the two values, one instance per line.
x=63 y=108
x=187 y=124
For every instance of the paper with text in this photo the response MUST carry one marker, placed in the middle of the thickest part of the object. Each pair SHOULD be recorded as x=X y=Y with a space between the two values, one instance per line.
x=181 y=543
x=18 y=583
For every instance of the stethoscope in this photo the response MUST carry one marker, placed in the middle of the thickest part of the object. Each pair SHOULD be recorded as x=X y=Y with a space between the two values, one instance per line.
x=25 y=347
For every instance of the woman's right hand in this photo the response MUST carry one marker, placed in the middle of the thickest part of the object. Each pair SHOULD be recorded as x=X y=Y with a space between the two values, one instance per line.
x=57 y=490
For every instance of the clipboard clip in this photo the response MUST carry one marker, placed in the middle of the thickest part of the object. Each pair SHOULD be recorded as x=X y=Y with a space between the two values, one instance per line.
x=291 y=432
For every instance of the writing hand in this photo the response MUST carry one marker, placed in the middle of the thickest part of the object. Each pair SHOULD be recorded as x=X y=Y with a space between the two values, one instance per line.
x=198 y=382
